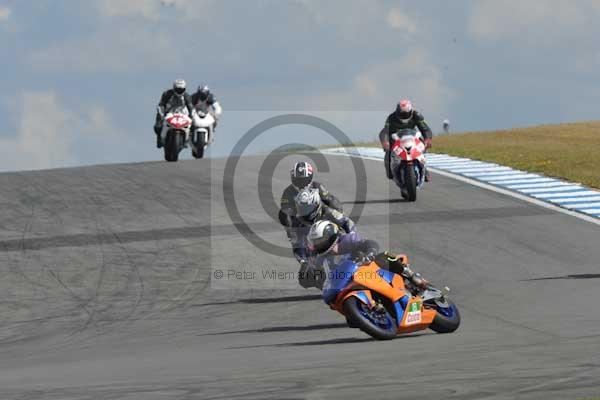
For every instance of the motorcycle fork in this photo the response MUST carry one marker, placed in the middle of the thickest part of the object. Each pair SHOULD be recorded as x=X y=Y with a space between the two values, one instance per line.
x=405 y=164
x=420 y=173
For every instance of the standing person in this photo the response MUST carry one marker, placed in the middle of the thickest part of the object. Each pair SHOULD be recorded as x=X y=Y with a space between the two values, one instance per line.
x=446 y=125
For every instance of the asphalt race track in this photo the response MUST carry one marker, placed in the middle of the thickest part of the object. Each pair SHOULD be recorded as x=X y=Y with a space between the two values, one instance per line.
x=108 y=291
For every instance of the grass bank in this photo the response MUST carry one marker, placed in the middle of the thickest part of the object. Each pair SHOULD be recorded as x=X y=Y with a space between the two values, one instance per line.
x=569 y=151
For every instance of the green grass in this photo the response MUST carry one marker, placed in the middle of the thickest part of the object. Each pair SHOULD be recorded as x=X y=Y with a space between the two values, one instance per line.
x=568 y=151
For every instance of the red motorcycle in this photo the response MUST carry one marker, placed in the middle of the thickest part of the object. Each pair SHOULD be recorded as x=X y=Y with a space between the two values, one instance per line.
x=178 y=130
x=408 y=162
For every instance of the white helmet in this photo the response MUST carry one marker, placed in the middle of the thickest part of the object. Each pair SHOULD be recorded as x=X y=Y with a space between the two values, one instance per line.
x=308 y=203
x=323 y=235
x=179 y=86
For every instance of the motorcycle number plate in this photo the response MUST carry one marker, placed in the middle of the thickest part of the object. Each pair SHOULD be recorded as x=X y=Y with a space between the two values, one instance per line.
x=413 y=314
x=177 y=120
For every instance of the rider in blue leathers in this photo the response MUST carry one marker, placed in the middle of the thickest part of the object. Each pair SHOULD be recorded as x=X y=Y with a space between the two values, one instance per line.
x=326 y=241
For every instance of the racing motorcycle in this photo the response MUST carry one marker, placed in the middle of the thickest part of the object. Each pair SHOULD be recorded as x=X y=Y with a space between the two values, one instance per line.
x=178 y=125
x=383 y=304
x=408 y=162
x=202 y=133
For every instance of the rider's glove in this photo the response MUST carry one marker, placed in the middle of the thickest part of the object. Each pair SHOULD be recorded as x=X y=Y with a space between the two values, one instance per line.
x=428 y=143
x=310 y=276
x=401 y=259
x=319 y=274
x=363 y=258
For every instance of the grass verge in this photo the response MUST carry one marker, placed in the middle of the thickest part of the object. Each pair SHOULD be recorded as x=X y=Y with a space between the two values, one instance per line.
x=568 y=151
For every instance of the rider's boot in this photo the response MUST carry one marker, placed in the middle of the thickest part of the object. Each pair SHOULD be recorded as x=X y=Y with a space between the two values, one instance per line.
x=387 y=164
x=399 y=265
x=158 y=126
x=427 y=175
x=415 y=278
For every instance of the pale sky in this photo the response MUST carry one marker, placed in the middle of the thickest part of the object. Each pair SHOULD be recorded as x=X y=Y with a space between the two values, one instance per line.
x=81 y=79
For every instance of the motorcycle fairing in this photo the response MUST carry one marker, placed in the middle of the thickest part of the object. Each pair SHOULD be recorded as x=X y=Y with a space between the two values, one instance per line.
x=338 y=279
x=349 y=279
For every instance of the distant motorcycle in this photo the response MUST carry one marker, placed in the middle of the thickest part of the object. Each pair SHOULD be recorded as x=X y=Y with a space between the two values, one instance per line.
x=408 y=162
x=178 y=125
x=202 y=133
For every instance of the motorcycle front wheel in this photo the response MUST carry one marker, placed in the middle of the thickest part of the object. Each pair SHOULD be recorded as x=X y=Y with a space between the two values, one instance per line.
x=173 y=146
x=378 y=324
x=198 y=152
x=410 y=181
x=447 y=319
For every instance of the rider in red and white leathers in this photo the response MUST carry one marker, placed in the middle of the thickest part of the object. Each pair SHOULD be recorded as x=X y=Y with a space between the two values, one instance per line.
x=404 y=117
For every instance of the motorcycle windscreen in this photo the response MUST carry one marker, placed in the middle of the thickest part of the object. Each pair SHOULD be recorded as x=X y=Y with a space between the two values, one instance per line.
x=407 y=132
x=338 y=277
x=178 y=109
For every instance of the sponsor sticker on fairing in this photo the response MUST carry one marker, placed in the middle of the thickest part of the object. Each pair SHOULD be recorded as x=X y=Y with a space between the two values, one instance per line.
x=414 y=313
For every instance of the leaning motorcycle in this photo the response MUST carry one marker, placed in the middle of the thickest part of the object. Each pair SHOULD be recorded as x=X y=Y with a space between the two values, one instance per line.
x=202 y=133
x=383 y=304
x=178 y=126
x=408 y=162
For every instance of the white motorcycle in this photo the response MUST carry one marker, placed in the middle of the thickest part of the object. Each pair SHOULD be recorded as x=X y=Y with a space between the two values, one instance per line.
x=202 y=133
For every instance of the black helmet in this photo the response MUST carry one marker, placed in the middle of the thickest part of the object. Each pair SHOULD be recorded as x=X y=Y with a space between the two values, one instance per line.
x=179 y=86
x=308 y=204
x=203 y=92
x=302 y=174
x=322 y=236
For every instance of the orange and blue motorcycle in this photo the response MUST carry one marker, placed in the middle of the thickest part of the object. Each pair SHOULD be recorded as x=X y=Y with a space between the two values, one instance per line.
x=382 y=304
